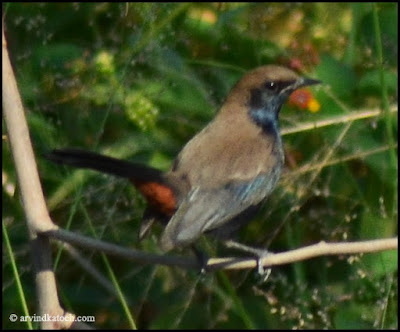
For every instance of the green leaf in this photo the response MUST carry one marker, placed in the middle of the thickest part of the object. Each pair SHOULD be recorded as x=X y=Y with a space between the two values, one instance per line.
x=339 y=76
x=349 y=317
x=370 y=82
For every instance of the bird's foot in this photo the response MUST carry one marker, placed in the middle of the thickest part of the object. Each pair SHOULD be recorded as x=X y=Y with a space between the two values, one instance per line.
x=260 y=253
x=202 y=259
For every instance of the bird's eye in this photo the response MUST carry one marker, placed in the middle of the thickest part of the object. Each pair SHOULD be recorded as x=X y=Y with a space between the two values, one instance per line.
x=271 y=86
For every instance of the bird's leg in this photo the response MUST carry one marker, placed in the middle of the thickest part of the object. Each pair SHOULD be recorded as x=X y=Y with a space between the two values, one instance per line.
x=258 y=252
x=202 y=259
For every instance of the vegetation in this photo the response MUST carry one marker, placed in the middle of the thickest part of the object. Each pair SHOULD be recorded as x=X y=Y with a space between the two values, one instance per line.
x=137 y=81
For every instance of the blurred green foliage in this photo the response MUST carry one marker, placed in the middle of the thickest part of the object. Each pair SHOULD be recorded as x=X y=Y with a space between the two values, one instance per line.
x=137 y=80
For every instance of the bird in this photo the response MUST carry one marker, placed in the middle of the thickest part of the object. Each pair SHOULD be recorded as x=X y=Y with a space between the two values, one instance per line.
x=223 y=174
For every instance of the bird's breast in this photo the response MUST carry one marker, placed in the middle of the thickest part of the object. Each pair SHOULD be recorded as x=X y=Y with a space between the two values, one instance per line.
x=227 y=151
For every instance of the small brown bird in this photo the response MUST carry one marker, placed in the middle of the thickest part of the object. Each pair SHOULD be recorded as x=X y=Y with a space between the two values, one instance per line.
x=223 y=173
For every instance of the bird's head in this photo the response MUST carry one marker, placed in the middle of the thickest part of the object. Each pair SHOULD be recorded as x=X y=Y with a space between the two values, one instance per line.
x=263 y=91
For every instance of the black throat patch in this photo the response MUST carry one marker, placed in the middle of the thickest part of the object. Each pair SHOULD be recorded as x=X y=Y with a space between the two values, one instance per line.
x=264 y=110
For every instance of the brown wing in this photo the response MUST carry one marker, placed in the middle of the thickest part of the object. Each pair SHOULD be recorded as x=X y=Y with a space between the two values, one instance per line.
x=221 y=153
x=227 y=175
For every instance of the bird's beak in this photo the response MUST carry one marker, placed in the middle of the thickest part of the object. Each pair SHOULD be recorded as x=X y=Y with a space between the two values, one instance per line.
x=304 y=81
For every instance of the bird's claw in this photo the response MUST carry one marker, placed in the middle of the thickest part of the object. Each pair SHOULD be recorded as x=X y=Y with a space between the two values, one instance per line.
x=259 y=253
x=263 y=273
x=202 y=259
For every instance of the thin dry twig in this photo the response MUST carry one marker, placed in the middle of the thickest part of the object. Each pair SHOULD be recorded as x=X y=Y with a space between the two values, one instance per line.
x=311 y=167
x=228 y=263
x=319 y=249
x=119 y=251
x=353 y=116
x=38 y=219
x=89 y=268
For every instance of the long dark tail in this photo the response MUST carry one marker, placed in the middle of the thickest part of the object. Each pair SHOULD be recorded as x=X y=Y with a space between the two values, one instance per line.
x=85 y=159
